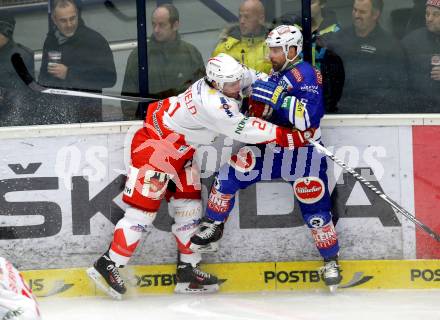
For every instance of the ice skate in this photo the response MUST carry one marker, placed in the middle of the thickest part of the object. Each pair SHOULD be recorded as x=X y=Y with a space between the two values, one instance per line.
x=106 y=276
x=193 y=280
x=331 y=273
x=206 y=240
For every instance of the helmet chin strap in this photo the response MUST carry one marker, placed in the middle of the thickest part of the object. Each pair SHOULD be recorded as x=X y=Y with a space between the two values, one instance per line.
x=286 y=53
x=217 y=86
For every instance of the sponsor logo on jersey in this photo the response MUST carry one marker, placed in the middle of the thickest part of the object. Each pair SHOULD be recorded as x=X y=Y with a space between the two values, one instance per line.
x=316 y=221
x=131 y=181
x=290 y=141
x=309 y=190
x=199 y=87
x=219 y=202
x=325 y=237
x=226 y=107
x=244 y=160
x=155 y=184
x=299 y=110
x=285 y=83
x=155 y=121
x=297 y=75
x=241 y=125
x=318 y=76
x=189 y=226
x=139 y=228
x=310 y=89
x=276 y=94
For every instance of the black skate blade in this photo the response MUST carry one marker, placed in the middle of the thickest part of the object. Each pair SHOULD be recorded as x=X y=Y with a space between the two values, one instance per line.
x=102 y=285
x=185 y=288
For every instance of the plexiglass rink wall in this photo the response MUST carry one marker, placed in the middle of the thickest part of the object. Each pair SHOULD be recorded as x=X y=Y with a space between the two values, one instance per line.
x=375 y=60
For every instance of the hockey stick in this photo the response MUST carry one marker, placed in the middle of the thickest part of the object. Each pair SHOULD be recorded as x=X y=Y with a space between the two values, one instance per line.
x=118 y=13
x=27 y=78
x=361 y=179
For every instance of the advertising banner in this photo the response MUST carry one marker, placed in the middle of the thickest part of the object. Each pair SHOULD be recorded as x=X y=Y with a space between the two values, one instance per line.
x=426 y=141
x=61 y=196
x=248 y=277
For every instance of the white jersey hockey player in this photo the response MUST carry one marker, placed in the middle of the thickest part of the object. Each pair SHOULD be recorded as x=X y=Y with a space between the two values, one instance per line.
x=16 y=299
x=162 y=151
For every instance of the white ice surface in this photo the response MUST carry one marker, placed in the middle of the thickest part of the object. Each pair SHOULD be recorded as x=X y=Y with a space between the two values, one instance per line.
x=344 y=305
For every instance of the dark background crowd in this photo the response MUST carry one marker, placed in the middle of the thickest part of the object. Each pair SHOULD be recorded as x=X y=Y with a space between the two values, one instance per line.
x=367 y=67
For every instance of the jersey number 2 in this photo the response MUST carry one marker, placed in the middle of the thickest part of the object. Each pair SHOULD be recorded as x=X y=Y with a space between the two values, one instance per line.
x=259 y=124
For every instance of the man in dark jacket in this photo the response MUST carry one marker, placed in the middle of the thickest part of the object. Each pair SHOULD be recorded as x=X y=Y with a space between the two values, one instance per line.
x=14 y=95
x=173 y=64
x=422 y=48
x=9 y=78
x=373 y=61
x=85 y=61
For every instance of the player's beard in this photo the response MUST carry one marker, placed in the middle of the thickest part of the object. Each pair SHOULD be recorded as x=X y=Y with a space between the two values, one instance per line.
x=276 y=66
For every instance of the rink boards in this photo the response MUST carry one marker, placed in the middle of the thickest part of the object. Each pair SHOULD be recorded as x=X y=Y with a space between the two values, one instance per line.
x=248 y=277
x=60 y=196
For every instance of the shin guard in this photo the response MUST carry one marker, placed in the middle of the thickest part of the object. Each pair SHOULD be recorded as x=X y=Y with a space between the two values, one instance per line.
x=187 y=214
x=128 y=233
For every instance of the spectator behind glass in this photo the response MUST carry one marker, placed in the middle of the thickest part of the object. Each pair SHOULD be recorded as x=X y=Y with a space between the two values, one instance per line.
x=173 y=64
x=373 y=61
x=416 y=17
x=8 y=77
x=404 y=20
x=324 y=24
x=86 y=61
x=14 y=93
x=422 y=48
x=246 y=41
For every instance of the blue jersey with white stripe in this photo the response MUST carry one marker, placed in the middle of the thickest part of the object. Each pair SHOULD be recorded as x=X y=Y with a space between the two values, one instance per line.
x=305 y=167
x=304 y=105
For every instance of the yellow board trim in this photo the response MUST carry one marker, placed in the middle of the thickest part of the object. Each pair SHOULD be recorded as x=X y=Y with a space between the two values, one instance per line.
x=248 y=277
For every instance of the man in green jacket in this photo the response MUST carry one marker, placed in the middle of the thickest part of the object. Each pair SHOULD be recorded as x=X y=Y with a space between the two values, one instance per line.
x=173 y=64
x=246 y=41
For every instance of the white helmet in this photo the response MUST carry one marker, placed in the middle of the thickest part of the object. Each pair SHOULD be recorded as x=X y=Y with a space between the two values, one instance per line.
x=285 y=37
x=222 y=69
